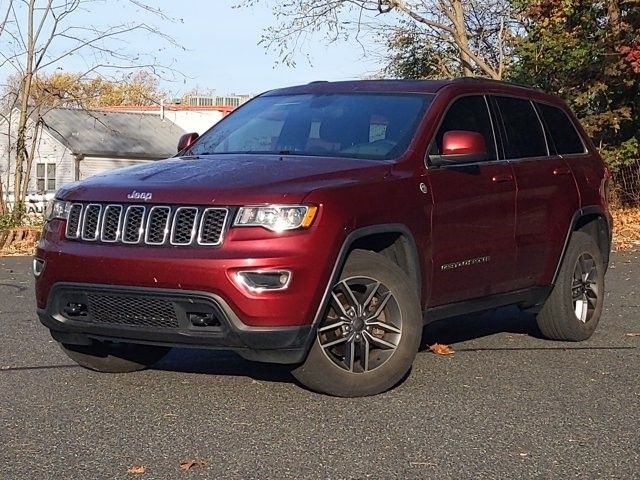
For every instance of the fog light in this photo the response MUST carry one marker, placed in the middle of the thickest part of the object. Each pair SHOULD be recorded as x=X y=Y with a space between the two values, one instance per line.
x=264 y=280
x=75 y=309
x=198 y=319
x=38 y=266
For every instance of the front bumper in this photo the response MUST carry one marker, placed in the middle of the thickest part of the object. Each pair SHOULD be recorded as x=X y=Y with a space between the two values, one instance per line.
x=165 y=317
x=308 y=255
x=273 y=326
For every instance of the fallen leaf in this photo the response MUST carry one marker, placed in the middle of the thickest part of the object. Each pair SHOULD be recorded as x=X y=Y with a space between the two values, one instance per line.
x=189 y=464
x=440 y=349
x=137 y=470
x=634 y=334
x=19 y=241
x=626 y=231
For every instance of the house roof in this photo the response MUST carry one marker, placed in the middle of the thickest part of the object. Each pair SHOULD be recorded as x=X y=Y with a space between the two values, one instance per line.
x=169 y=107
x=113 y=134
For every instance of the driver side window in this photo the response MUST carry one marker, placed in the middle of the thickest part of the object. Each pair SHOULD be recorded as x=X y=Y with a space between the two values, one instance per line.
x=469 y=114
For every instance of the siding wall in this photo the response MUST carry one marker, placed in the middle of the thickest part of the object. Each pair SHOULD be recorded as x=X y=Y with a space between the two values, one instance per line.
x=48 y=150
x=198 y=122
x=90 y=166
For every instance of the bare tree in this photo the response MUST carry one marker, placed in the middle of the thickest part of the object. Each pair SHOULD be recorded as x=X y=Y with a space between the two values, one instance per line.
x=5 y=15
x=477 y=31
x=42 y=34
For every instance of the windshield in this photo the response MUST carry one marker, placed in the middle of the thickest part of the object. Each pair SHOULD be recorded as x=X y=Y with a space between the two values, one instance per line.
x=357 y=125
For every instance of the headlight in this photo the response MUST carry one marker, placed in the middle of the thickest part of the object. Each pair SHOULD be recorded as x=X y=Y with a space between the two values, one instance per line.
x=57 y=209
x=276 y=217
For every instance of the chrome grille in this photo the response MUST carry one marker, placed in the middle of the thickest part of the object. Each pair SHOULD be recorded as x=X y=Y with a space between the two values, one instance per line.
x=211 y=224
x=184 y=226
x=158 y=225
x=111 y=223
x=74 y=221
x=133 y=224
x=91 y=221
x=138 y=224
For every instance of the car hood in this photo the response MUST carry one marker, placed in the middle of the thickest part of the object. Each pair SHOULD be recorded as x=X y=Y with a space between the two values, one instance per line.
x=224 y=180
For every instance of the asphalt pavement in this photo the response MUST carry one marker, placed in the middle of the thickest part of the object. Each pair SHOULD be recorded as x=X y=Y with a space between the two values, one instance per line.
x=507 y=405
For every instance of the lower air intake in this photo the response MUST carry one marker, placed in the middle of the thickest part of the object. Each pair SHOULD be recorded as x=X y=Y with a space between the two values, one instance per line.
x=132 y=311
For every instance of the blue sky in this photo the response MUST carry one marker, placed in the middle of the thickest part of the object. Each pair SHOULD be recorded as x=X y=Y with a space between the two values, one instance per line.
x=225 y=53
x=222 y=50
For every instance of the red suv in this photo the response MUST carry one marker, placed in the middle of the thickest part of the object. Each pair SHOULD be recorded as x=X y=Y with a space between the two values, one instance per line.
x=323 y=225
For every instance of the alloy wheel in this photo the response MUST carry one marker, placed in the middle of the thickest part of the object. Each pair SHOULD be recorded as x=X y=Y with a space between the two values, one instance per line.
x=363 y=325
x=584 y=288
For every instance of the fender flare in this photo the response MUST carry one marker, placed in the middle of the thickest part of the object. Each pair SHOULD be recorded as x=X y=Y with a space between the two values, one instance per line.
x=583 y=212
x=355 y=235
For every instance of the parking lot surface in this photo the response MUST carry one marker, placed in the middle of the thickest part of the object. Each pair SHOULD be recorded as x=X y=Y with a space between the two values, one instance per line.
x=507 y=405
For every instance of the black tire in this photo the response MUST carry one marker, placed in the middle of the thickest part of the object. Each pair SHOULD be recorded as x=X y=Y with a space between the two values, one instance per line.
x=114 y=357
x=573 y=309
x=385 y=308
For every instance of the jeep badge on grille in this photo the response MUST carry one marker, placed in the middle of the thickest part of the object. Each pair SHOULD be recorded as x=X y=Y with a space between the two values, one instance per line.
x=146 y=196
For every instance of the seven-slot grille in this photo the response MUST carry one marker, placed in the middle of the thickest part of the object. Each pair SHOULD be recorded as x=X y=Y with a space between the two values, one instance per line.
x=150 y=225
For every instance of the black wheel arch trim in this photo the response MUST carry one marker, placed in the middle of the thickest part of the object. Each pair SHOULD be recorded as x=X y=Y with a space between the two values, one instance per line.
x=394 y=228
x=581 y=213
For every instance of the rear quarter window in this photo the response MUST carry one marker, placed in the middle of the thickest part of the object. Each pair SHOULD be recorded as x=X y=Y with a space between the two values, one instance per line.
x=561 y=129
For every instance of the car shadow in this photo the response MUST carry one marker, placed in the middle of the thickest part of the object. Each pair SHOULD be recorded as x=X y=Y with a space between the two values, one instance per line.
x=452 y=330
x=216 y=362
x=471 y=327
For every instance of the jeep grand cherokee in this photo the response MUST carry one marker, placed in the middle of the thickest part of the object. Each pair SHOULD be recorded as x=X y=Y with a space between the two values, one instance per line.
x=323 y=225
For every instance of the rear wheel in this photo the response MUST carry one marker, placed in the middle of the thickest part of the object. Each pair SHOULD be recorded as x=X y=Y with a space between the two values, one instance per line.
x=370 y=334
x=573 y=309
x=114 y=357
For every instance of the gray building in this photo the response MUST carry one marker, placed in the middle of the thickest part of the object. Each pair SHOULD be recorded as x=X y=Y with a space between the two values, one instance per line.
x=73 y=144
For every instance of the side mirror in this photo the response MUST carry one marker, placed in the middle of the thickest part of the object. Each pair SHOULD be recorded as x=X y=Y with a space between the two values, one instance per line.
x=187 y=140
x=462 y=146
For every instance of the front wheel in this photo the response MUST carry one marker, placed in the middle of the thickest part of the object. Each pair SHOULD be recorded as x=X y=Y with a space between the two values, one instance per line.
x=371 y=331
x=114 y=357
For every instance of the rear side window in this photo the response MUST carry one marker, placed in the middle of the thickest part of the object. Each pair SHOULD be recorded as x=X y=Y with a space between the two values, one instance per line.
x=562 y=131
x=523 y=134
x=471 y=114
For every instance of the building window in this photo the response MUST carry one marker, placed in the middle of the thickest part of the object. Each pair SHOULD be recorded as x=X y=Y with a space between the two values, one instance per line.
x=46 y=177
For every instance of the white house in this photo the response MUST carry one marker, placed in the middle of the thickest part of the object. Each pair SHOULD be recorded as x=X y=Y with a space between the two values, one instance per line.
x=73 y=144
x=191 y=118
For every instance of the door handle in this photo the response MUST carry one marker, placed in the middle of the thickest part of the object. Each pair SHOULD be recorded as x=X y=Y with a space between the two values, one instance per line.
x=562 y=171
x=506 y=177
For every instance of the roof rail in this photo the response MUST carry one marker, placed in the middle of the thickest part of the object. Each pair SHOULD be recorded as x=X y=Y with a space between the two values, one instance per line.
x=491 y=80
